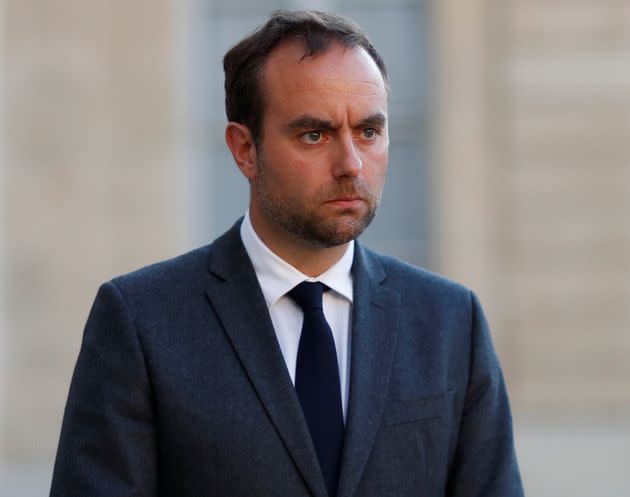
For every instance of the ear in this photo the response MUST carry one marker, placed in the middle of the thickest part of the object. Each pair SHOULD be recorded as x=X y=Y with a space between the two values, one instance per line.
x=240 y=141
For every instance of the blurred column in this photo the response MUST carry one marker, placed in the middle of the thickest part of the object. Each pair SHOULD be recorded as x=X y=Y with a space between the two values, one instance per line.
x=90 y=136
x=467 y=183
x=462 y=168
x=200 y=126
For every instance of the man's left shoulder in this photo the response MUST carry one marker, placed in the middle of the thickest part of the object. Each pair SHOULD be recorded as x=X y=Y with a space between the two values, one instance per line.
x=412 y=282
x=398 y=271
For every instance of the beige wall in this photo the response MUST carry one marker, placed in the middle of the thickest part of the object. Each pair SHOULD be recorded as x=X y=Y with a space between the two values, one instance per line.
x=533 y=149
x=89 y=174
x=567 y=135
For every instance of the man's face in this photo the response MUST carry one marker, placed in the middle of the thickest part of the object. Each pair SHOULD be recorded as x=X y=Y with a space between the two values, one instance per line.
x=322 y=159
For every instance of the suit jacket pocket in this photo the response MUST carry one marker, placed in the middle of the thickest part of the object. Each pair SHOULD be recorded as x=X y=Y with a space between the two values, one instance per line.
x=408 y=411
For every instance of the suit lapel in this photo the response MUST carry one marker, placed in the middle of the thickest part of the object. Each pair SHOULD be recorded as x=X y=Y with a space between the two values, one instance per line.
x=374 y=331
x=237 y=298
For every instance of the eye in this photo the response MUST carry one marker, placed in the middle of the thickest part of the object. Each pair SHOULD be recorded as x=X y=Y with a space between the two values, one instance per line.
x=311 y=137
x=370 y=133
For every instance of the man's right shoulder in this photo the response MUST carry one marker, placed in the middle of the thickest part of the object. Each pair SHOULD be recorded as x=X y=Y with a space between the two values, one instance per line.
x=168 y=270
x=165 y=281
x=181 y=274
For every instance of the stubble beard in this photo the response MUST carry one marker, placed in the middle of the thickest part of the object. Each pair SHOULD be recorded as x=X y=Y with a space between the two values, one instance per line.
x=316 y=228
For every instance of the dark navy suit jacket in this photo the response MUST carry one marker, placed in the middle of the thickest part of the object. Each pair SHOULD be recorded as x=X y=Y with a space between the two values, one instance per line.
x=181 y=390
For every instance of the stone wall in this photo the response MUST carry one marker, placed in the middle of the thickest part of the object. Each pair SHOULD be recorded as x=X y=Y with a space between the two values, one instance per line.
x=566 y=161
x=89 y=184
x=534 y=172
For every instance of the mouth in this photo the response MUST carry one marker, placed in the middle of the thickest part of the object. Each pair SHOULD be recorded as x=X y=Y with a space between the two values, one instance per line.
x=349 y=202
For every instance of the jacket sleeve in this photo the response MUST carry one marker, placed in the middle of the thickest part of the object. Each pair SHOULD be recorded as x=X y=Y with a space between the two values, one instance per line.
x=107 y=446
x=485 y=461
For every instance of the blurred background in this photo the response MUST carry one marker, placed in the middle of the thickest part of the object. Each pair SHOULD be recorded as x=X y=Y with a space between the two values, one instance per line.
x=509 y=171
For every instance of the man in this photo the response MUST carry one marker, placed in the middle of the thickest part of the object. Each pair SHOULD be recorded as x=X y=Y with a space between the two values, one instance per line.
x=210 y=374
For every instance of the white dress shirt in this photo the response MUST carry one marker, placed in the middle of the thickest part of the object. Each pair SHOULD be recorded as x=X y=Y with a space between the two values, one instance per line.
x=277 y=277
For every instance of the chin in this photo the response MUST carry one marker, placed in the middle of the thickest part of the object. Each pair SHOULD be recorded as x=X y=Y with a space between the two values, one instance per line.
x=337 y=233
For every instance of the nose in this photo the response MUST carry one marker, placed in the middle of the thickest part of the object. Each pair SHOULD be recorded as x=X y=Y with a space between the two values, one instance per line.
x=347 y=161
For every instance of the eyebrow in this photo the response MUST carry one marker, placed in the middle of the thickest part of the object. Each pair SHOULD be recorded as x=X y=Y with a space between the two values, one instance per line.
x=377 y=120
x=306 y=121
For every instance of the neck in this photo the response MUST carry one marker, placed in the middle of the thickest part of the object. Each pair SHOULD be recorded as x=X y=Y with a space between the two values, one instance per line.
x=307 y=258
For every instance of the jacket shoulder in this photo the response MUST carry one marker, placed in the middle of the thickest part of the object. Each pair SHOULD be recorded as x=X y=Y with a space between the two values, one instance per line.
x=171 y=277
x=406 y=277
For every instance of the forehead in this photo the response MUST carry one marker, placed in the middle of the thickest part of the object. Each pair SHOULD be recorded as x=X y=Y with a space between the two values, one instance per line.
x=337 y=75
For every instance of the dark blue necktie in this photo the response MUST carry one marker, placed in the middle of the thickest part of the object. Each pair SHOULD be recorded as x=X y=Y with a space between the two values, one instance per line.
x=317 y=381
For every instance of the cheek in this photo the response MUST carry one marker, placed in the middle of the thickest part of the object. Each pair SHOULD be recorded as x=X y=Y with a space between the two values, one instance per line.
x=292 y=181
x=304 y=175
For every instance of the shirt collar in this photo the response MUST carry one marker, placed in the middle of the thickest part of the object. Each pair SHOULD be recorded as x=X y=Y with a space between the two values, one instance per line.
x=277 y=277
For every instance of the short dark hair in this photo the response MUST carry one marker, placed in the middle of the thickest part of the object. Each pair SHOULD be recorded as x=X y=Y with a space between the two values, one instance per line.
x=243 y=63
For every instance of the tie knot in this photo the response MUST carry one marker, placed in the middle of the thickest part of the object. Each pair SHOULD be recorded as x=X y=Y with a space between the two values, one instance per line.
x=308 y=295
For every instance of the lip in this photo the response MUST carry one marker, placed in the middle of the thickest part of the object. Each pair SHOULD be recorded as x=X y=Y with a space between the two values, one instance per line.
x=346 y=202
